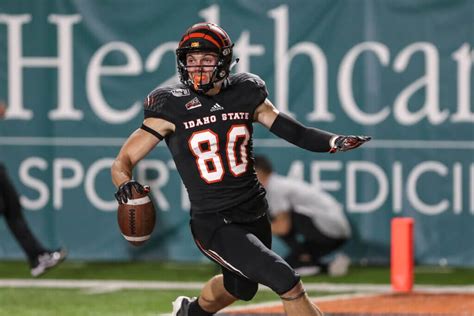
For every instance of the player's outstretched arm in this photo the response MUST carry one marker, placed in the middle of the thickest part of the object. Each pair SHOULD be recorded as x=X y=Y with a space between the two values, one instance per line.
x=137 y=146
x=308 y=138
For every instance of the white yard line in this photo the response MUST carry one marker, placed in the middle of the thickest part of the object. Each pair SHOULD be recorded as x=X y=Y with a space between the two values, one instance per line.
x=105 y=286
x=99 y=284
x=159 y=285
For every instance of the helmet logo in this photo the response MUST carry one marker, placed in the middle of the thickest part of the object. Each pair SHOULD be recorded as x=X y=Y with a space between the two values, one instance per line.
x=226 y=52
x=195 y=44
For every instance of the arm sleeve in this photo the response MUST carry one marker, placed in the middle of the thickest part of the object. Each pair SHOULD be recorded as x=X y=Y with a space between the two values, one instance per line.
x=308 y=138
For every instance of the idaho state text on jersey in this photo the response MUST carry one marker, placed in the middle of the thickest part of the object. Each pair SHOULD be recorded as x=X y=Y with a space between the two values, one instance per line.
x=214 y=118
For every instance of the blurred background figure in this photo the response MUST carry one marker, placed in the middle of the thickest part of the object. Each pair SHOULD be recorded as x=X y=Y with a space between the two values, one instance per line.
x=40 y=258
x=310 y=222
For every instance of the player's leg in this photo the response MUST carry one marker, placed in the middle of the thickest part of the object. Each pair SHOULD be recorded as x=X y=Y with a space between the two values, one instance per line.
x=316 y=245
x=320 y=245
x=297 y=303
x=10 y=204
x=243 y=248
x=40 y=259
x=295 y=247
x=214 y=296
x=299 y=257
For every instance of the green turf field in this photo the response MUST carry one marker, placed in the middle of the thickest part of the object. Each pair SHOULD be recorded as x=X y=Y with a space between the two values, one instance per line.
x=54 y=301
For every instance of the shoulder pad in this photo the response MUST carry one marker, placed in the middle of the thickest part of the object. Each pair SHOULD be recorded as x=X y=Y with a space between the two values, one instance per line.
x=157 y=99
x=246 y=77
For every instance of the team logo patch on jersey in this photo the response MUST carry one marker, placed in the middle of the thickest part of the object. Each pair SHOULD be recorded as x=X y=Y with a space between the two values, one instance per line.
x=216 y=107
x=180 y=92
x=194 y=103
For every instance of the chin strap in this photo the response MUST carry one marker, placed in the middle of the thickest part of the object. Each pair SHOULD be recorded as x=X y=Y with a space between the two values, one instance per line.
x=234 y=63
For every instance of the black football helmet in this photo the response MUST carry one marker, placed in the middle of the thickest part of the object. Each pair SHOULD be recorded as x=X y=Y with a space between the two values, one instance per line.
x=205 y=37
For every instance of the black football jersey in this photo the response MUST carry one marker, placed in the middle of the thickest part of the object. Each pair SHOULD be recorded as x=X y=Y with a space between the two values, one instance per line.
x=212 y=143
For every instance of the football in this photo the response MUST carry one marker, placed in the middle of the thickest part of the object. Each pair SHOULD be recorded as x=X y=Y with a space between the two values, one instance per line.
x=136 y=218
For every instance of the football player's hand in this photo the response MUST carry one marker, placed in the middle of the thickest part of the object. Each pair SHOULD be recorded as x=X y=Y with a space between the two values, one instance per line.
x=124 y=192
x=345 y=143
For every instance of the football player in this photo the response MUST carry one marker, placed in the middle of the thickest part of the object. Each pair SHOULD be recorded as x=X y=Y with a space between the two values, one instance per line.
x=206 y=122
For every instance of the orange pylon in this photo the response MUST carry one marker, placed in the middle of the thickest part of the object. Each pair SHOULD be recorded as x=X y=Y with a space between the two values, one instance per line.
x=401 y=261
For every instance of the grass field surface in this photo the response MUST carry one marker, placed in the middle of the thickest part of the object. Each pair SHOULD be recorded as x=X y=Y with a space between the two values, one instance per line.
x=105 y=300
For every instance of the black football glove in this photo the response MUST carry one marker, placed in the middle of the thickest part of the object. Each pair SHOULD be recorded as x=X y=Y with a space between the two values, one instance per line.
x=345 y=143
x=124 y=192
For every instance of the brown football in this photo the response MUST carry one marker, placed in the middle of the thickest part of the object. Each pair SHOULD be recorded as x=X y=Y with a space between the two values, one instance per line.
x=136 y=218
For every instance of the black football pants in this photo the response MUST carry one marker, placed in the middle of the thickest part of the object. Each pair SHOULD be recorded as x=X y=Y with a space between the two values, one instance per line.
x=243 y=250
x=11 y=209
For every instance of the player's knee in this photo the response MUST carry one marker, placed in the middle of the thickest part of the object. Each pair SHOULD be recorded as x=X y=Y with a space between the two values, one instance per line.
x=280 y=277
x=243 y=291
x=248 y=293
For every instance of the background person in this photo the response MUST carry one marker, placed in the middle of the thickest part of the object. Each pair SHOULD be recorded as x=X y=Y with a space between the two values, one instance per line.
x=310 y=221
x=40 y=258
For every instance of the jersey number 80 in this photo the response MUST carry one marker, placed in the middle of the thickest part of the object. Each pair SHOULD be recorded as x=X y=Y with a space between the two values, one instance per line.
x=210 y=157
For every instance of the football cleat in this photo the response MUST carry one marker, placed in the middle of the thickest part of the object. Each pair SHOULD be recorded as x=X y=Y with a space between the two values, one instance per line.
x=46 y=261
x=308 y=270
x=181 y=306
x=339 y=265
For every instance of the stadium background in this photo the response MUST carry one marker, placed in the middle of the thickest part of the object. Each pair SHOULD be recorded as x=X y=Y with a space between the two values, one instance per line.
x=74 y=74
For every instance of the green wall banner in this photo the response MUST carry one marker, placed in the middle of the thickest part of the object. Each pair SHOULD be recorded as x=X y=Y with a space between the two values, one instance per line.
x=74 y=74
